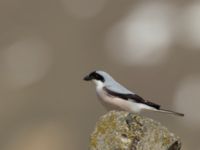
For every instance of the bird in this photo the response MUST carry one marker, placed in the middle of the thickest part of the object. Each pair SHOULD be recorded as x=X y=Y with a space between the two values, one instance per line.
x=114 y=96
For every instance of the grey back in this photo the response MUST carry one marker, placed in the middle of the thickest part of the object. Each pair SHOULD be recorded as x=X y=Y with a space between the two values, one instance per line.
x=113 y=85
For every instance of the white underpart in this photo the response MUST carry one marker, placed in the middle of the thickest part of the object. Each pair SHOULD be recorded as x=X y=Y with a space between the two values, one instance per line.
x=116 y=103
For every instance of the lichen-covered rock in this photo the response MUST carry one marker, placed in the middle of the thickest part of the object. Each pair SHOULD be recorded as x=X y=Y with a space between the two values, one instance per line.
x=118 y=130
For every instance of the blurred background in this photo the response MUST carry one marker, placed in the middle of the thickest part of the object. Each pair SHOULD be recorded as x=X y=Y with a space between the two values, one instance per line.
x=47 y=46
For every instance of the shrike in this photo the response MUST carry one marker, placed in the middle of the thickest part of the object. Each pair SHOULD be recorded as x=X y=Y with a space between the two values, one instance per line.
x=116 y=97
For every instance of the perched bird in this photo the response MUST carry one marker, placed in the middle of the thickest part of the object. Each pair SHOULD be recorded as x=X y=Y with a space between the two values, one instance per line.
x=114 y=96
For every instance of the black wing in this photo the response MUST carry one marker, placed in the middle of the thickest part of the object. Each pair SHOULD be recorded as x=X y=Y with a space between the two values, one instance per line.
x=134 y=97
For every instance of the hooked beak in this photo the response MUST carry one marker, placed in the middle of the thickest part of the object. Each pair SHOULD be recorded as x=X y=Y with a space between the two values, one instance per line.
x=87 y=78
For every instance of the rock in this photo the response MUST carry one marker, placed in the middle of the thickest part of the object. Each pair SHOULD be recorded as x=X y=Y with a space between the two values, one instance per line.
x=119 y=130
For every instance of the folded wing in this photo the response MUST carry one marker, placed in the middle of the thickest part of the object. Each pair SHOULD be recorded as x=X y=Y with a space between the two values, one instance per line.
x=133 y=97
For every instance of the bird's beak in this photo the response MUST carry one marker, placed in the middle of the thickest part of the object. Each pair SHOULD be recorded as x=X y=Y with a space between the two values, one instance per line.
x=87 y=78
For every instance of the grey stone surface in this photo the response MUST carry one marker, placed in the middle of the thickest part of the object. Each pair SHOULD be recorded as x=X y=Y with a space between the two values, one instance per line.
x=118 y=130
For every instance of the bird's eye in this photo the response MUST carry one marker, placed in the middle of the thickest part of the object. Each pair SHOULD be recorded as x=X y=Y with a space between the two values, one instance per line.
x=99 y=77
x=96 y=76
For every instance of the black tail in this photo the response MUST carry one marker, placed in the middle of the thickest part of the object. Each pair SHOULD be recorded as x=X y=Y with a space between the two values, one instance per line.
x=170 y=112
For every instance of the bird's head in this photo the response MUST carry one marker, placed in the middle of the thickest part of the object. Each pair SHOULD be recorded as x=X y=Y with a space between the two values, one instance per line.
x=100 y=78
x=95 y=76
